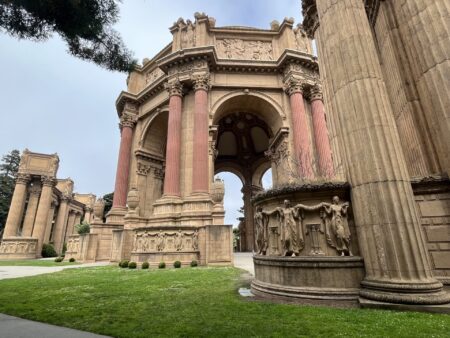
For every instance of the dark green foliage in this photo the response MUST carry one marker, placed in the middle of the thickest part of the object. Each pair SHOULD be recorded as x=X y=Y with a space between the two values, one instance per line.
x=145 y=265
x=108 y=199
x=85 y=25
x=8 y=172
x=59 y=259
x=71 y=260
x=64 y=249
x=123 y=264
x=132 y=265
x=194 y=263
x=48 y=251
x=83 y=228
x=177 y=264
x=162 y=265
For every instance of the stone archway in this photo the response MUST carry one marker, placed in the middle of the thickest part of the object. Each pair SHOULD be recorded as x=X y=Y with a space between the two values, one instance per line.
x=245 y=126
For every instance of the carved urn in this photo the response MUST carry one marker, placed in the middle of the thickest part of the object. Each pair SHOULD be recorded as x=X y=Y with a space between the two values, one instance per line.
x=218 y=190
x=99 y=208
x=133 y=199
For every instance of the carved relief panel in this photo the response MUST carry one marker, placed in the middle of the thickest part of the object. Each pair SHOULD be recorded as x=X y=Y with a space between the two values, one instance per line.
x=245 y=49
x=153 y=241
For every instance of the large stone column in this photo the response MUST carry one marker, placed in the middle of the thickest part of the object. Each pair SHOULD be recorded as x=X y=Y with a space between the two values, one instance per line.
x=48 y=228
x=173 y=149
x=127 y=123
x=321 y=139
x=30 y=214
x=302 y=145
x=45 y=201
x=61 y=222
x=388 y=226
x=424 y=27
x=70 y=224
x=200 y=179
x=17 y=205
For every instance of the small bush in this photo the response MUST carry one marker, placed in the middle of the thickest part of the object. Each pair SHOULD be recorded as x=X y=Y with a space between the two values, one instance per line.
x=145 y=265
x=124 y=264
x=48 y=251
x=64 y=249
x=162 y=265
x=177 y=264
x=83 y=228
x=71 y=260
x=194 y=263
x=59 y=259
x=132 y=265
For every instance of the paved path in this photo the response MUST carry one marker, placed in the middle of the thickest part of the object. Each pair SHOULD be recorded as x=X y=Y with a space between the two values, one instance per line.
x=244 y=260
x=13 y=327
x=25 y=271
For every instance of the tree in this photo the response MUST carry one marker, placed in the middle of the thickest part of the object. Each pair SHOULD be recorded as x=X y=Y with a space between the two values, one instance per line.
x=85 y=25
x=8 y=173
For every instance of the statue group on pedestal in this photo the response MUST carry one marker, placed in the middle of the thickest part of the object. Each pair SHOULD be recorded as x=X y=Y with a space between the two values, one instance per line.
x=333 y=215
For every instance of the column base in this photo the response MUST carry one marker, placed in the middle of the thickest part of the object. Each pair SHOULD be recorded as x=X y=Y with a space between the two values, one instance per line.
x=116 y=215
x=430 y=293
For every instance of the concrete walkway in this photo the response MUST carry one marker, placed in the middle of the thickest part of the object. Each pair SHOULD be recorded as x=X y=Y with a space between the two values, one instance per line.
x=244 y=260
x=13 y=327
x=25 y=271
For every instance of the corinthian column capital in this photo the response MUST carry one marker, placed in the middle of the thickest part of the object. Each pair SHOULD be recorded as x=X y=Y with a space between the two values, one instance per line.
x=201 y=82
x=174 y=88
x=316 y=92
x=48 y=181
x=127 y=120
x=23 y=178
x=293 y=85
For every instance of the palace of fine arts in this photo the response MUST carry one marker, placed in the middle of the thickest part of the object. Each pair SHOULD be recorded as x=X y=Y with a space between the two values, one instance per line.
x=290 y=180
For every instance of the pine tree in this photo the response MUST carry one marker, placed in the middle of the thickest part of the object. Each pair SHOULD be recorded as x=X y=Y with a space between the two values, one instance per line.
x=8 y=173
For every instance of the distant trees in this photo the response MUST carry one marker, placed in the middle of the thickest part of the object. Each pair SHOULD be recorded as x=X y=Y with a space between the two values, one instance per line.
x=85 y=25
x=8 y=172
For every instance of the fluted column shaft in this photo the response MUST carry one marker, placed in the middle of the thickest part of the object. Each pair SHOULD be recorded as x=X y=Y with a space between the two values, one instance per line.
x=388 y=226
x=200 y=178
x=60 y=226
x=173 y=149
x=17 y=205
x=321 y=139
x=40 y=223
x=30 y=214
x=424 y=26
x=48 y=228
x=70 y=224
x=302 y=145
x=123 y=164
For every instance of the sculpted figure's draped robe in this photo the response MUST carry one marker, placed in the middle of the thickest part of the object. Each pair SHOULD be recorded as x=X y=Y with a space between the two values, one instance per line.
x=291 y=238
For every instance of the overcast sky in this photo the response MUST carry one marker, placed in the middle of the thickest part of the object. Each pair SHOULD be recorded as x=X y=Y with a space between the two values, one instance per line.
x=53 y=102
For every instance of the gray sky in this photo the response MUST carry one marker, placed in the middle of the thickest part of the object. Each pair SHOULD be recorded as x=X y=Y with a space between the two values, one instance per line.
x=53 y=102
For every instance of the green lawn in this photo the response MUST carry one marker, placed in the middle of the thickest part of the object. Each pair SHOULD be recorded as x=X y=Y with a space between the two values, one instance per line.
x=187 y=302
x=35 y=262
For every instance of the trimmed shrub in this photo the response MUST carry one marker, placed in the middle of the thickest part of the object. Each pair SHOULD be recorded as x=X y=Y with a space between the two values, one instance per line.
x=71 y=260
x=48 y=251
x=64 y=249
x=145 y=265
x=83 y=228
x=194 y=263
x=177 y=264
x=59 y=259
x=124 y=264
x=132 y=265
x=162 y=265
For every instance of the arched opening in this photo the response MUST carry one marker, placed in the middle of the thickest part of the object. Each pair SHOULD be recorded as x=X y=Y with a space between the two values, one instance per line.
x=233 y=204
x=267 y=180
x=245 y=126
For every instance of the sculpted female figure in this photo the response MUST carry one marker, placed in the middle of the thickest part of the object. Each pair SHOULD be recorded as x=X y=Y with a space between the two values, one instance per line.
x=291 y=239
x=261 y=223
x=339 y=225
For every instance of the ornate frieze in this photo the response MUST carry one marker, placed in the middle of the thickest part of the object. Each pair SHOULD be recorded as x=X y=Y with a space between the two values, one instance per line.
x=153 y=75
x=285 y=234
x=18 y=246
x=153 y=241
x=245 y=49
x=189 y=68
x=73 y=244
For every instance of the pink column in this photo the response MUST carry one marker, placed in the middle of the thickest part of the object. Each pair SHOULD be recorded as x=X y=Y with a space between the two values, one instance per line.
x=321 y=134
x=123 y=164
x=173 y=149
x=200 y=157
x=302 y=145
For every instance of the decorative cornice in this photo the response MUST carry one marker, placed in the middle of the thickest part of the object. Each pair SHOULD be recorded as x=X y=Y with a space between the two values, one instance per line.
x=201 y=82
x=175 y=88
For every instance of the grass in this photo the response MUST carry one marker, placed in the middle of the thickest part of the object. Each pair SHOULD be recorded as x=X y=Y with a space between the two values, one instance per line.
x=35 y=262
x=200 y=302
